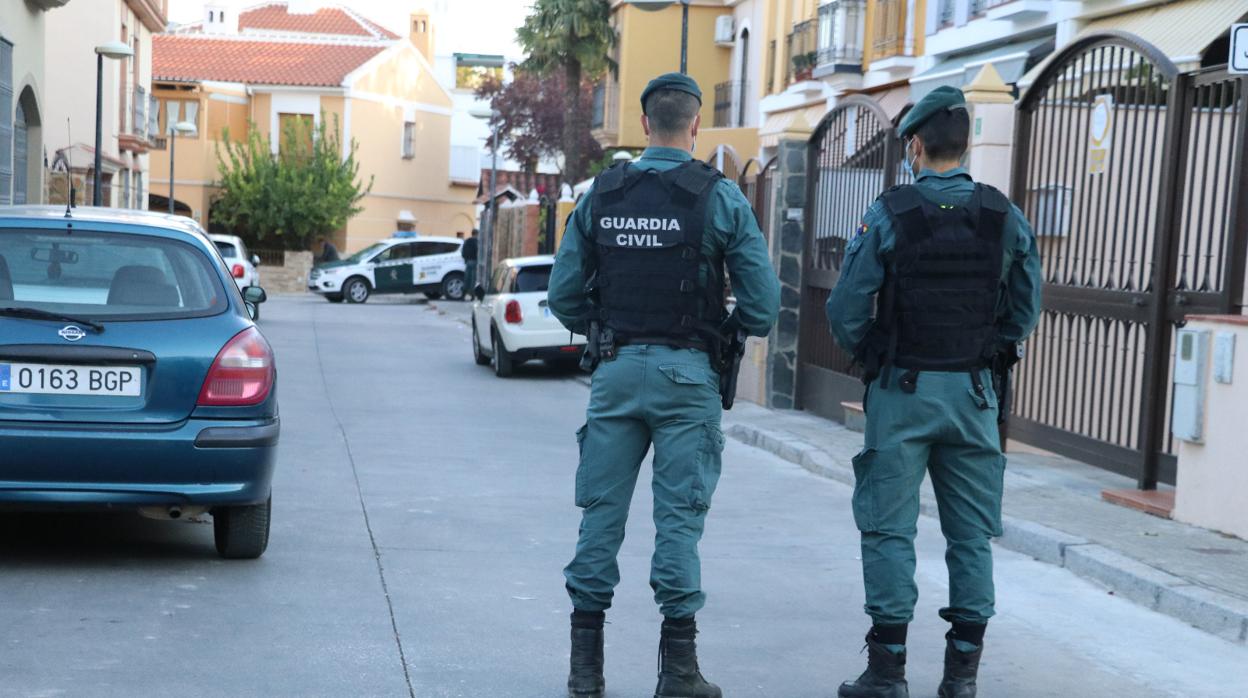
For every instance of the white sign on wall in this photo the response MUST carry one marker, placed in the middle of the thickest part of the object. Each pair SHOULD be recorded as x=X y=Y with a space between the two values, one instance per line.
x=1238 y=61
x=1100 y=133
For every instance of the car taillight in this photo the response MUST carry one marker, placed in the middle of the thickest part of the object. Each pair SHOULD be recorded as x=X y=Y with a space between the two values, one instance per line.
x=512 y=313
x=238 y=271
x=242 y=373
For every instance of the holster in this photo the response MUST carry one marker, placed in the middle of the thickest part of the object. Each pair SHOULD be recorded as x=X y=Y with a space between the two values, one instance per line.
x=732 y=352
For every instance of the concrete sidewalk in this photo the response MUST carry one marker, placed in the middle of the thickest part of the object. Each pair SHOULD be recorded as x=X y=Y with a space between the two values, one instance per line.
x=1054 y=513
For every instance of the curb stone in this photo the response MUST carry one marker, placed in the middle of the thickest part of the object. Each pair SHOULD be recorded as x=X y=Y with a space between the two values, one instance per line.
x=1213 y=612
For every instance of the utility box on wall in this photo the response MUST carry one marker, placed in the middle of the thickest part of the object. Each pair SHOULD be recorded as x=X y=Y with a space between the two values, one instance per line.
x=1188 y=418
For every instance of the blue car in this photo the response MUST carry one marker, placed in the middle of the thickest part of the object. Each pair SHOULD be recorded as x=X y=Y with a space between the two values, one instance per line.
x=132 y=374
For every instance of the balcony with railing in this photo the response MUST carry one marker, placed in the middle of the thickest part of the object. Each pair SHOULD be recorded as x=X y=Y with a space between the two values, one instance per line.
x=802 y=51
x=135 y=136
x=730 y=104
x=979 y=8
x=841 y=26
x=139 y=120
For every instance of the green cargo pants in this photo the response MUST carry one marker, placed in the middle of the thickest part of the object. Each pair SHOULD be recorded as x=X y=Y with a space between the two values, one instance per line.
x=668 y=397
x=944 y=428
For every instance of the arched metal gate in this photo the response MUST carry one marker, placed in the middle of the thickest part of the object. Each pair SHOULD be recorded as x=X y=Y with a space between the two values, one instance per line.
x=853 y=156
x=1132 y=175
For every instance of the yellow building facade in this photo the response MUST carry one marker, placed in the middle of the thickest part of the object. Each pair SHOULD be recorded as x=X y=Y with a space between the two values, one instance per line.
x=379 y=90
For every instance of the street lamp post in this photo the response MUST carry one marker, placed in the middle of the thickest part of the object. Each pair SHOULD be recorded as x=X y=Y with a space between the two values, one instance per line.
x=115 y=50
x=655 y=6
x=184 y=128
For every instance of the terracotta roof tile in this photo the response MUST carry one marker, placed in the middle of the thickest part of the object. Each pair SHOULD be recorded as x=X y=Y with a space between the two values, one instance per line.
x=328 y=20
x=189 y=57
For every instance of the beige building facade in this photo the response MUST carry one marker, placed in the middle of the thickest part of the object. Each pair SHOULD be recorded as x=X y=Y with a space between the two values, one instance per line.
x=266 y=66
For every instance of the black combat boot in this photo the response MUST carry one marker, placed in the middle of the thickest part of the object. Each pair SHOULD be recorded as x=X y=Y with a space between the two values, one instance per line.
x=585 y=678
x=961 y=668
x=885 y=676
x=679 y=676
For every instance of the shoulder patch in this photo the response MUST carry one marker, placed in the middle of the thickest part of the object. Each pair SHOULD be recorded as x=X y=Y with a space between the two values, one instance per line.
x=862 y=229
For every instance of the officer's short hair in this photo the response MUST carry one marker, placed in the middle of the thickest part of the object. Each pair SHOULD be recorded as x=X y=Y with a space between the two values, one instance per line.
x=671 y=112
x=946 y=134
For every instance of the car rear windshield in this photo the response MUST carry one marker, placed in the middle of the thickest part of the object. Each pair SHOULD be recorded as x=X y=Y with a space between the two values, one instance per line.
x=227 y=249
x=532 y=279
x=106 y=276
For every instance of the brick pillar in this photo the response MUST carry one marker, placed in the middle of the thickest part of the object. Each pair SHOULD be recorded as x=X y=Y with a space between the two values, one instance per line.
x=786 y=254
x=992 y=129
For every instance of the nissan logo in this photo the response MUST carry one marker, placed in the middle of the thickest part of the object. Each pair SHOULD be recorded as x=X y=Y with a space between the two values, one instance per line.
x=72 y=333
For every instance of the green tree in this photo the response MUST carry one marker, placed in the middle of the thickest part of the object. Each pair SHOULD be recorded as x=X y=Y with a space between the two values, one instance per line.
x=575 y=38
x=287 y=199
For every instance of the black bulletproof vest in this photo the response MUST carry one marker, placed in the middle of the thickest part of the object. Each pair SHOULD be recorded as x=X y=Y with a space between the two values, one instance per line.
x=943 y=281
x=648 y=228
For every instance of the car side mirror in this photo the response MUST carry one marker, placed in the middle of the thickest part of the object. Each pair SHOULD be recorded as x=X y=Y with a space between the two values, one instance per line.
x=255 y=260
x=478 y=292
x=255 y=295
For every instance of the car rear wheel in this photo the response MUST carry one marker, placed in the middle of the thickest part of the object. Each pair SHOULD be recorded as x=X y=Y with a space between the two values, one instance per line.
x=453 y=286
x=503 y=364
x=242 y=532
x=356 y=290
x=478 y=355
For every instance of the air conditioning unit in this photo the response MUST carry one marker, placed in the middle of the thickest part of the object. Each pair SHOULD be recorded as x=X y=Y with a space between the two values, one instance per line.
x=725 y=30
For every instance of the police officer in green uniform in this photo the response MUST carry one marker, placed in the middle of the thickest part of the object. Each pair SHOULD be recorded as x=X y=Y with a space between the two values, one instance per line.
x=641 y=270
x=941 y=281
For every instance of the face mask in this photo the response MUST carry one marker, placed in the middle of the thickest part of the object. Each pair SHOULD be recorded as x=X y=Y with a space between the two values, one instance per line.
x=694 y=148
x=912 y=161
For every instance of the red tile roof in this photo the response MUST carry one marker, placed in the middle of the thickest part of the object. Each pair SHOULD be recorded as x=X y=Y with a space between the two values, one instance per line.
x=190 y=57
x=329 y=20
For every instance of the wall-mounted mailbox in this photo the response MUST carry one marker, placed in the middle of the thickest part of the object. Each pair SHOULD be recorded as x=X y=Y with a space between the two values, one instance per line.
x=1188 y=418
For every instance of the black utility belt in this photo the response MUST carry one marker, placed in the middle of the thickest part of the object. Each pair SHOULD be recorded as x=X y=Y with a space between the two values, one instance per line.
x=673 y=342
x=908 y=378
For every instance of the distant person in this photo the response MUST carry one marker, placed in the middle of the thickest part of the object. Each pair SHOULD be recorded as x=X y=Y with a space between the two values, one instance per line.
x=329 y=253
x=469 y=252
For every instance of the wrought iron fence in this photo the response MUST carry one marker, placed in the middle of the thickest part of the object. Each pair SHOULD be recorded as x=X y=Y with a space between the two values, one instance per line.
x=270 y=258
x=945 y=13
x=723 y=104
x=730 y=104
x=1134 y=239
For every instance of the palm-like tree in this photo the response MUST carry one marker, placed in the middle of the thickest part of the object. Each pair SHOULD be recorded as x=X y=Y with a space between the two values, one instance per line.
x=574 y=36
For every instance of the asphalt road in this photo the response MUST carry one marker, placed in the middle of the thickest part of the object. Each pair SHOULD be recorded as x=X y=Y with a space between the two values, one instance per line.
x=423 y=513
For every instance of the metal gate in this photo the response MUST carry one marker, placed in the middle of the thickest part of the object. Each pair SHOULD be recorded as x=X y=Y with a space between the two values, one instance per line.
x=1131 y=174
x=757 y=183
x=853 y=156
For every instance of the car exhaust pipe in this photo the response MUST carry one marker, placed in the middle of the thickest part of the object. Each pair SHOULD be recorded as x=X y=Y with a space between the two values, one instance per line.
x=172 y=512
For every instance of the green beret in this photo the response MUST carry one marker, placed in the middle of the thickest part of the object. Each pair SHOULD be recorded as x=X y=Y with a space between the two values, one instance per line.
x=943 y=98
x=671 y=81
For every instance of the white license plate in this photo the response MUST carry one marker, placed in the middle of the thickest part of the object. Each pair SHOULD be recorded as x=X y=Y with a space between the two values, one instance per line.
x=48 y=379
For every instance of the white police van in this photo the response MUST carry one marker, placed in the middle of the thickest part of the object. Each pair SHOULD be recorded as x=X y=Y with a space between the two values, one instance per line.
x=406 y=263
